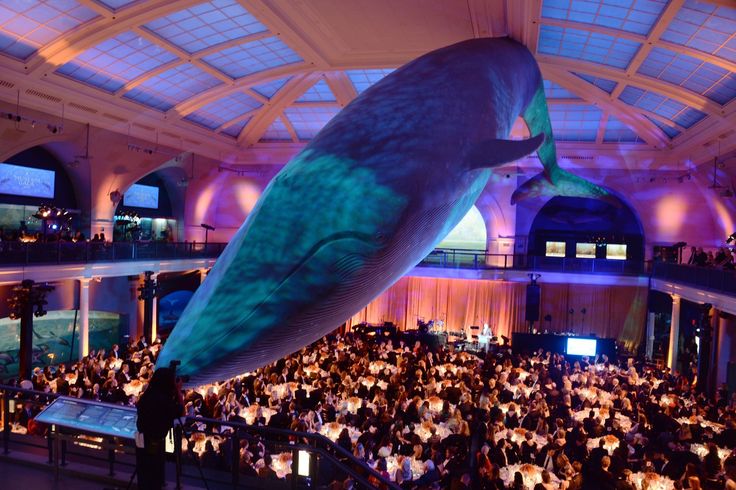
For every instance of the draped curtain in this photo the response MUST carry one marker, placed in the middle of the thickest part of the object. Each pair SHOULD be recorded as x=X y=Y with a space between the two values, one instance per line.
x=611 y=311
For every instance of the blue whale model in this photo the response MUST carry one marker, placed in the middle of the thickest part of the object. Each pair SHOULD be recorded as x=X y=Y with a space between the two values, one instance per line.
x=365 y=201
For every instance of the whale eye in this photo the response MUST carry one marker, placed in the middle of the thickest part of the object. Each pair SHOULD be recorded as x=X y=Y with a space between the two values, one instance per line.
x=380 y=237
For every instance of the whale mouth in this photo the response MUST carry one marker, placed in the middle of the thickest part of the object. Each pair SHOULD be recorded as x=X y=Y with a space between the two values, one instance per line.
x=373 y=243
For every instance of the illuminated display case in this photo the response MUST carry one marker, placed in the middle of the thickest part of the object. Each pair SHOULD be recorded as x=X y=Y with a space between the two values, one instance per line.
x=555 y=249
x=585 y=250
x=616 y=251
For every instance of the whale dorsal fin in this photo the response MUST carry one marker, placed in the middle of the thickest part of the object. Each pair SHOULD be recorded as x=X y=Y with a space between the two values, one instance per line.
x=491 y=153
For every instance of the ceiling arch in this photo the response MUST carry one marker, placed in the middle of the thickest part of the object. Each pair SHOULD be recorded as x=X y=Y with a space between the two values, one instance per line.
x=336 y=40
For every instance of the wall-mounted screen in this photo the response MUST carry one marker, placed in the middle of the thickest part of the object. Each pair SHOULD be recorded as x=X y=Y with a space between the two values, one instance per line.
x=555 y=249
x=616 y=251
x=585 y=250
x=26 y=181
x=581 y=347
x=141 y=196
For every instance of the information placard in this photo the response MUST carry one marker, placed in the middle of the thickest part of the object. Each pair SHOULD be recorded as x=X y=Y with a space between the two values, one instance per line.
x=86 y=415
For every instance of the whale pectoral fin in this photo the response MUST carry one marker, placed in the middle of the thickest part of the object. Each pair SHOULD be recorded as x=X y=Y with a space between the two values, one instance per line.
x=492 y=153
x=565 y=184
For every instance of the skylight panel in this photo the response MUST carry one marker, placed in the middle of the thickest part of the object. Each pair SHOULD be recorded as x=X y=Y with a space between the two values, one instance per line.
x=555 y=91
x=116 y=61
x=206 y=25
x=636 y=16
x=319 y=92
x=362 y=79
x=705 y=27
x=276 y=132
x=586 y=45
x=252 y=57
x=235 y=129
x=701 y=77
x=308 y=121
x=663 y=106
x=668 y=130
x=618 y=132
x=269 y=89
x=116 y=4
x=575 y=122
x=214 y=114
x=25 y=26
x=601 y=83
x=172 y=87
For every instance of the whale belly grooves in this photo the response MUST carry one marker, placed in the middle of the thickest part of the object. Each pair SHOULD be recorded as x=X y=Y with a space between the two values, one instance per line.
x=365 y=277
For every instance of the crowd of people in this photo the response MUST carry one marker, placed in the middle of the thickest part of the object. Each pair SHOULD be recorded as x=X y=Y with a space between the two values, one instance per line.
x=440 y=417
x=723 y=258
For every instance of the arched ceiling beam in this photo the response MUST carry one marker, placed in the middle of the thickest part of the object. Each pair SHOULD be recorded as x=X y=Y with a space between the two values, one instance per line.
x=97 y=7
x=488 y=18
x=235 y=120
x=341 y=87
x=293 y=89
x=290 y=128
x=655 y=33
x=522 y=20
x=182 y=54
x=693 y=53
x=91 y=33
x=670 y=90
x=646 y=130
x=602 y=127
x=267 y=14
x=211 y=95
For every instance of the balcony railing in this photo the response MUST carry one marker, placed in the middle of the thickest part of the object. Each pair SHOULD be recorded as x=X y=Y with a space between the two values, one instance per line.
x=469 y=259
x=714 y=279
x=18 y=253
x=85 y=453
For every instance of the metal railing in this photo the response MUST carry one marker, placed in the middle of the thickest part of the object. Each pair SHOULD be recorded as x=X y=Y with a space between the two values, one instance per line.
x=711 y=278
x=19 y=253
x=78 y=451
x=469 y=259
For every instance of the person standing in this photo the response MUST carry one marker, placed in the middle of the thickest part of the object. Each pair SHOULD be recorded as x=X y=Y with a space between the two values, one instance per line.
x=158 y=407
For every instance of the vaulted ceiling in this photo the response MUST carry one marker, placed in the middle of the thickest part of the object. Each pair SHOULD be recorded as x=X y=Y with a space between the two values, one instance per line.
x=229 y=75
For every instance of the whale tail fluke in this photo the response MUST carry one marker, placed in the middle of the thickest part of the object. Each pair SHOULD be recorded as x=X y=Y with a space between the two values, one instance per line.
x=553 y=181
x=565 y=184
x=496 y=152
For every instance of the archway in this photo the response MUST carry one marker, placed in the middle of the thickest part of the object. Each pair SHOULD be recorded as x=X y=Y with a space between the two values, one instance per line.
x=586 y=228
x=469 y=234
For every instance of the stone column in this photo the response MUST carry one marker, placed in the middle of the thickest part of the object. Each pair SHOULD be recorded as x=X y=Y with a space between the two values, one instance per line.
x=674 y=333
x=83 y=317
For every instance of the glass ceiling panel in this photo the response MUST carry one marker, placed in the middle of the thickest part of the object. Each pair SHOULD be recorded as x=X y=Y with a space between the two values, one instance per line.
x=214 y=114
x=618 y=132
x=245 y=59
x=637 y=16
x=671 y=109
x=116 y=61
x=586 y=45
x=206 y=24
x=235 y=129
x=574 y=122
x=362 y=79
x=25 y=26
x=319 y=92
x=307 y=121
x=554 y=91
x=269 y=89
x=668 y=130
x=701 y=77
x=172 y=87
x=601 y=83
x=705 y=27
x=276 y=132
x=116 y=4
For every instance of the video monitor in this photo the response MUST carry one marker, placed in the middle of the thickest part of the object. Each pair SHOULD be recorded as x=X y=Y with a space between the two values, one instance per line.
x=26 y=181
x=581 y=347
x=555 y=249
x=141 y=196
x=86 y=415
x=585 y=250
x=616 y=251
